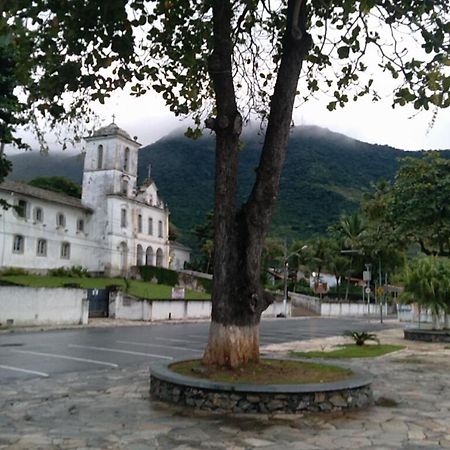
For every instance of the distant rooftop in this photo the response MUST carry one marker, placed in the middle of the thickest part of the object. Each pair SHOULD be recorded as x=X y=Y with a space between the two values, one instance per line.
x=43 y=194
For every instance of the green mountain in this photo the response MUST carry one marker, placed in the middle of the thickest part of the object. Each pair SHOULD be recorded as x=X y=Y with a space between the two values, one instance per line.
x=326 y=173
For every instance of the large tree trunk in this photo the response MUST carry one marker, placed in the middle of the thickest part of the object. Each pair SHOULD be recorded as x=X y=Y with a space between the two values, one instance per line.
x=238 y=298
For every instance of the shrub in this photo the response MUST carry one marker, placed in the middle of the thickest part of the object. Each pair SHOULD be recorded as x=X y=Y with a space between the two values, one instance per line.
x=164 y=276
x=71 y=272
x=360 y=337
x=13 y=271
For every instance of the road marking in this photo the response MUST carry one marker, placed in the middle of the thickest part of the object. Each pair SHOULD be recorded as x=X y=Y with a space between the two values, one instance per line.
x=18 y=369
x=170 y=339
x=159 y=345
x=117 y=350
x=201 y=336
x=74 y=358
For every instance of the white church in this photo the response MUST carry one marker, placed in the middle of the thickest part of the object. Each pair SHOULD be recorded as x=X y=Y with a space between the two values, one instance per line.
x=116 y=225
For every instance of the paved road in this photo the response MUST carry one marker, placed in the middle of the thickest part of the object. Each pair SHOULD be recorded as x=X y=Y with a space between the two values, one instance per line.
x=43 y=354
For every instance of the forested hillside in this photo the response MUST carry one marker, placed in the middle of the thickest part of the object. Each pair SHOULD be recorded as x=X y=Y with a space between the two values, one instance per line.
x=326 y=173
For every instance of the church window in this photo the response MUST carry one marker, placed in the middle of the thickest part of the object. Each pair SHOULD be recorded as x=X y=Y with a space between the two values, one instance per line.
x=60 y=220
x=65 y=250
x=125 y=187
x=38 y=214
x=41 y=247
x=159 y=258
x=150 y=226
x=126 y=160
x=100 y=157
x=139 y=255
x=139 y=223
x=160 y=229
x=123 y=218
x=18 y=243
x=22 y=208
x=80 y=225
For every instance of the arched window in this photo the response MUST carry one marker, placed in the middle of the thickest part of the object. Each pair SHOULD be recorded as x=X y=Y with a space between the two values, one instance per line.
x=159 y=257
x=149 y=257
x=139 y=255
x=38 y=215
x=160 y=229
x=18 y=243
x=80 y=225
x=123 y=218
x=65 y=250
x=41 y=249
x=125 y=187
x=126 y=160
x=21 y=208
x=60 y=220
x=150 y=226
x=100 y=157
x=139 y=223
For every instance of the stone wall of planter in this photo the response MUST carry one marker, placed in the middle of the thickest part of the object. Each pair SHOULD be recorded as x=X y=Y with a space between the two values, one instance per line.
x=226 y=398
x=416 y=334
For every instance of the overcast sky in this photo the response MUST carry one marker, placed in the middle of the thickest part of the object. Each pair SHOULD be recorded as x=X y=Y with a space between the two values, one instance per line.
x=379 y=123
x=149 y=119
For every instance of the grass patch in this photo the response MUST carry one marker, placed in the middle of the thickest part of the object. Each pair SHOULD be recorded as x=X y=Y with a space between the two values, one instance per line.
x=267 y=371
x=352 y=351
x=141 y=289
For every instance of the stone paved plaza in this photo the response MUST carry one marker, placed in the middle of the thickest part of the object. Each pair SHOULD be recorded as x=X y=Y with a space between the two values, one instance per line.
x=111 y=410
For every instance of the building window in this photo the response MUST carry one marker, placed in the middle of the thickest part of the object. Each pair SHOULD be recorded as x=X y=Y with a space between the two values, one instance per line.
x=139 y=223
x=126 y=160
x=160 y=229
x=80 y=225
x=125 y=187
x=38 y=215
x=60 y=220
x=65 y=250
x=123 y=218
x=159 y=258
x=22 y=208
x=41 y=247
x=150 y=226
x=100 y=157
x=18 y=243
x=139 y=255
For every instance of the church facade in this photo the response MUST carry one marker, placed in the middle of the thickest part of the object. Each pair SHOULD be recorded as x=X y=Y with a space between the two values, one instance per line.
x=115 y=225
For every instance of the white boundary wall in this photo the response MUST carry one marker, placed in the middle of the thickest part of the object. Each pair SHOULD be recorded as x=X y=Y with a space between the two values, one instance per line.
x=21 y=306
x=351 y=309
x=123 y=306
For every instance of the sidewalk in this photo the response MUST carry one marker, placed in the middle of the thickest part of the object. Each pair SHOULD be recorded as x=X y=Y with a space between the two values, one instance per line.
x=111 y=410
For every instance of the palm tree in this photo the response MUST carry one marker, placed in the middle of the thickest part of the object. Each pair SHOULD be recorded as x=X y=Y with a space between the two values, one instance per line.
x=350 y=231
x=427 y=283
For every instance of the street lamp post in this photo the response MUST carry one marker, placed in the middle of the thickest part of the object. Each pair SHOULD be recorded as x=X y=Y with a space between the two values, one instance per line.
x=285 y=297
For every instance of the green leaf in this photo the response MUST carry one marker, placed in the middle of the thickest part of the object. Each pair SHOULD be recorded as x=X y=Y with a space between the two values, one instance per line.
x=343 y=52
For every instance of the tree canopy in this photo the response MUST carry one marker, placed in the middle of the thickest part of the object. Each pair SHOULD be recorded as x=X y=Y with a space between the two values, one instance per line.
x=57 y=56
x=57 y=184
x=415 y=208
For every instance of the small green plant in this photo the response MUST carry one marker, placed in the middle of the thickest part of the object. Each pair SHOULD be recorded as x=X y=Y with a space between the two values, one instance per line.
x=360 y=337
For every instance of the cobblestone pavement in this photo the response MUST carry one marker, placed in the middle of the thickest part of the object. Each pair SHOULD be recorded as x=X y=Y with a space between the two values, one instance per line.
x=111 y=410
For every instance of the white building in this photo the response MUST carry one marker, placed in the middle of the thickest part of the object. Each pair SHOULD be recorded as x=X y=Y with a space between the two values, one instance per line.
x=115 y=225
